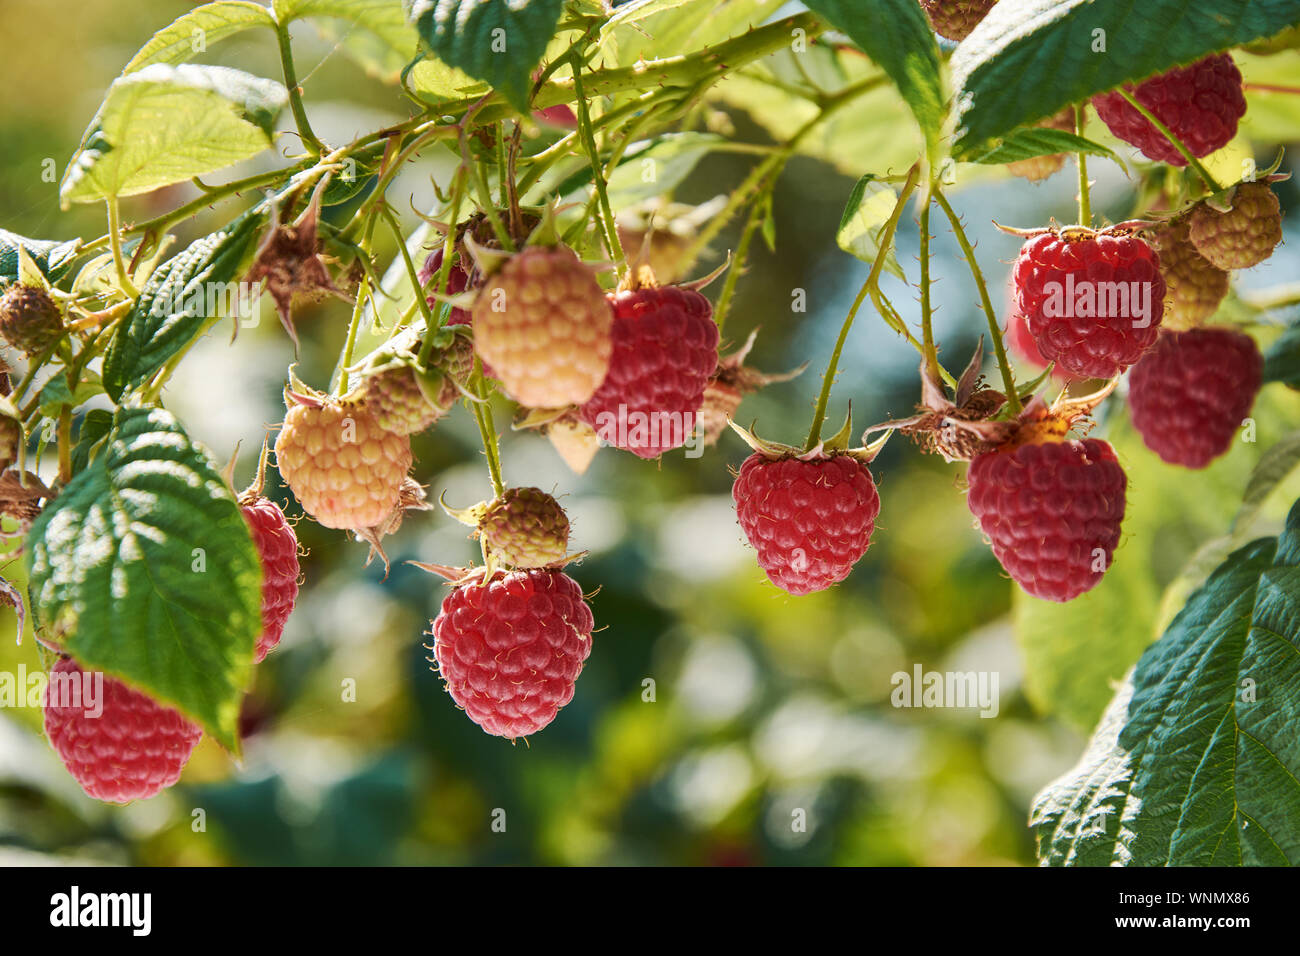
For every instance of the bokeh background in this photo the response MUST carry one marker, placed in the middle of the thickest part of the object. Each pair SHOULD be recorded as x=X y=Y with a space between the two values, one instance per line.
x=763 y=704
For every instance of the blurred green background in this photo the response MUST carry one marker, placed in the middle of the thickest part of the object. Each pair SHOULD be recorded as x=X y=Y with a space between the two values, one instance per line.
x=715 y=712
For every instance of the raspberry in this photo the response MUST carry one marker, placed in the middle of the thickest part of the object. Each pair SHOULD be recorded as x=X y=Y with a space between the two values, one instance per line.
x=344 y=468
x=955 y=19
x=29 y=319
x=1190 y=393
x=277 y=551
x=1038 y=168
x=525 y=528
x=398 y=403
x=1245 y=235
x=457 y=282
x=1052 y=512
x=1200 y=104
x=11 y=439
x=1092 y=304
x=665 y=351
x=1194 y=286
x=511 y=649
x=133 y=750
x=809 y=521
x=544 y=325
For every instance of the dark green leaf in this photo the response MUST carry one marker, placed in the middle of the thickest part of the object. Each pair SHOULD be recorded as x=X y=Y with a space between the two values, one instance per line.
x=896 y=35
x=1197 y=761
x=1029 y=58
x=499 y=43
x=53 y=258
x=94 y=427
x=1032 y=141
x=144 y=568
x=182 y=299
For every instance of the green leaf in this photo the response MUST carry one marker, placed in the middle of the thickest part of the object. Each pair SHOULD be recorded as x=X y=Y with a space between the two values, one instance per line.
x=55 y=394
x=499 y=43
x=662 y=28
x=144 y=568
x=896 y=35
x=190 y=34
x=870 y=205
x=166 y=124
x=377 y=32
x=183 y=298
x=1034 y=141
x=1282 y=360
x=1196 y=762
x=436 y=82
x=95 y=426
x=1029 y=58
x=52 y=258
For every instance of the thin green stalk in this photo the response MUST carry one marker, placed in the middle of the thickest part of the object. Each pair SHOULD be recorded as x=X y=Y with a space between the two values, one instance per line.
x=1192 y=161
x=487 y=431
x=608 y=225
x=1085 y=203
x=412 y=273
x=363 y=293
x=115 y=241
x=444 y=269
x=752 y=223
x=929 y=352
x=995 y=330
x=873 y=279
x=295 y=92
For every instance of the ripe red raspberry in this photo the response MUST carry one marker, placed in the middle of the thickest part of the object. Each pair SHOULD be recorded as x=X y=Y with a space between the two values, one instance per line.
x=277 y=550
x=1093 y=303
x=543 y=324
x=29 y=319
x=1245 y=235
x=955 y=19
x=809 y=521
x=665 y=352
x=511 y=650
x=1052 y=512
x=1200 y=104
x=1194 y=286
x=1190 y=393
x=525 y=528
x=344 y=468
x=134 y=749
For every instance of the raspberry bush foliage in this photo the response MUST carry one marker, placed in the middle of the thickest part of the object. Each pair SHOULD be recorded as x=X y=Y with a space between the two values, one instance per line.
x=556 y=288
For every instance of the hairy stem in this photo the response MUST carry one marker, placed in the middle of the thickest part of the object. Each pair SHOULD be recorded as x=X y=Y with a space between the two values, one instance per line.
x=1085 y=203
x=295 y=92
x=608 y=225
x=115 y=241
x=752 y=223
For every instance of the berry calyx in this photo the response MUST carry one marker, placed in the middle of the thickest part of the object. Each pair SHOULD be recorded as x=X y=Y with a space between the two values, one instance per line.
x=30 y=319
x=1241 y=234
x=665 y=352
x=1191 y=392
x=1092 y=301
x=731 y=382
x=132 y=749
x=510 y=647
x=1052 y=511
x=1200 y=104
x=543 y=324
x=345 y=469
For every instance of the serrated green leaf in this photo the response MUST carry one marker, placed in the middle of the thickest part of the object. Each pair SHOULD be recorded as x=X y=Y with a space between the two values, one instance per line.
x=436 y=82
x=499 y=43
x=661 y=28
x=1034 y=141
x=896 y=35
x=1196 y=761
x=55 y=394
x=190 y=34
x=869 y=207
x=165 y=124
x=144 y=568
x=95 y=426
x=51 y=257
x=1029 y=58
x=184 y=297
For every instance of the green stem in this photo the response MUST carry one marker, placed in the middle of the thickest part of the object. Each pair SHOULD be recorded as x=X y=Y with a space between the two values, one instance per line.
x=444 y=268
x=412 y=273
x=487 y=431
x=608 y=225
x=1085 y=202
x=115 y=241
x=295 y=92
x=752 y=223
x=873 y=279
x=928 y=350
x=363 y=293
x=995 y=330
x=1192 y=161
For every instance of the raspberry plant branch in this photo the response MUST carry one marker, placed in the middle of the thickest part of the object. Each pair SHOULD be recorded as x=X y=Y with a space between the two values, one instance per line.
x=758 y=210
x=358 y=307
x=928 y=350
x=873 y=280
x=295 y=92
x=608 y=225
x=1085 y=205
x=115 y=241
x=1168 y=134
x=995 y=330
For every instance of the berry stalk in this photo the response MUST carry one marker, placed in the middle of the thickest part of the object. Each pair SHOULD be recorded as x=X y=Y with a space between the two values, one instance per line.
x=928 y=351
x=995 y=331
x=752 y=222
x=873 y=279
x=1085 y=203
x=444 y=267
x=1168 y=134
x=295 y=92
x=363 y=293
x=115 y=241
x=609 y=227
